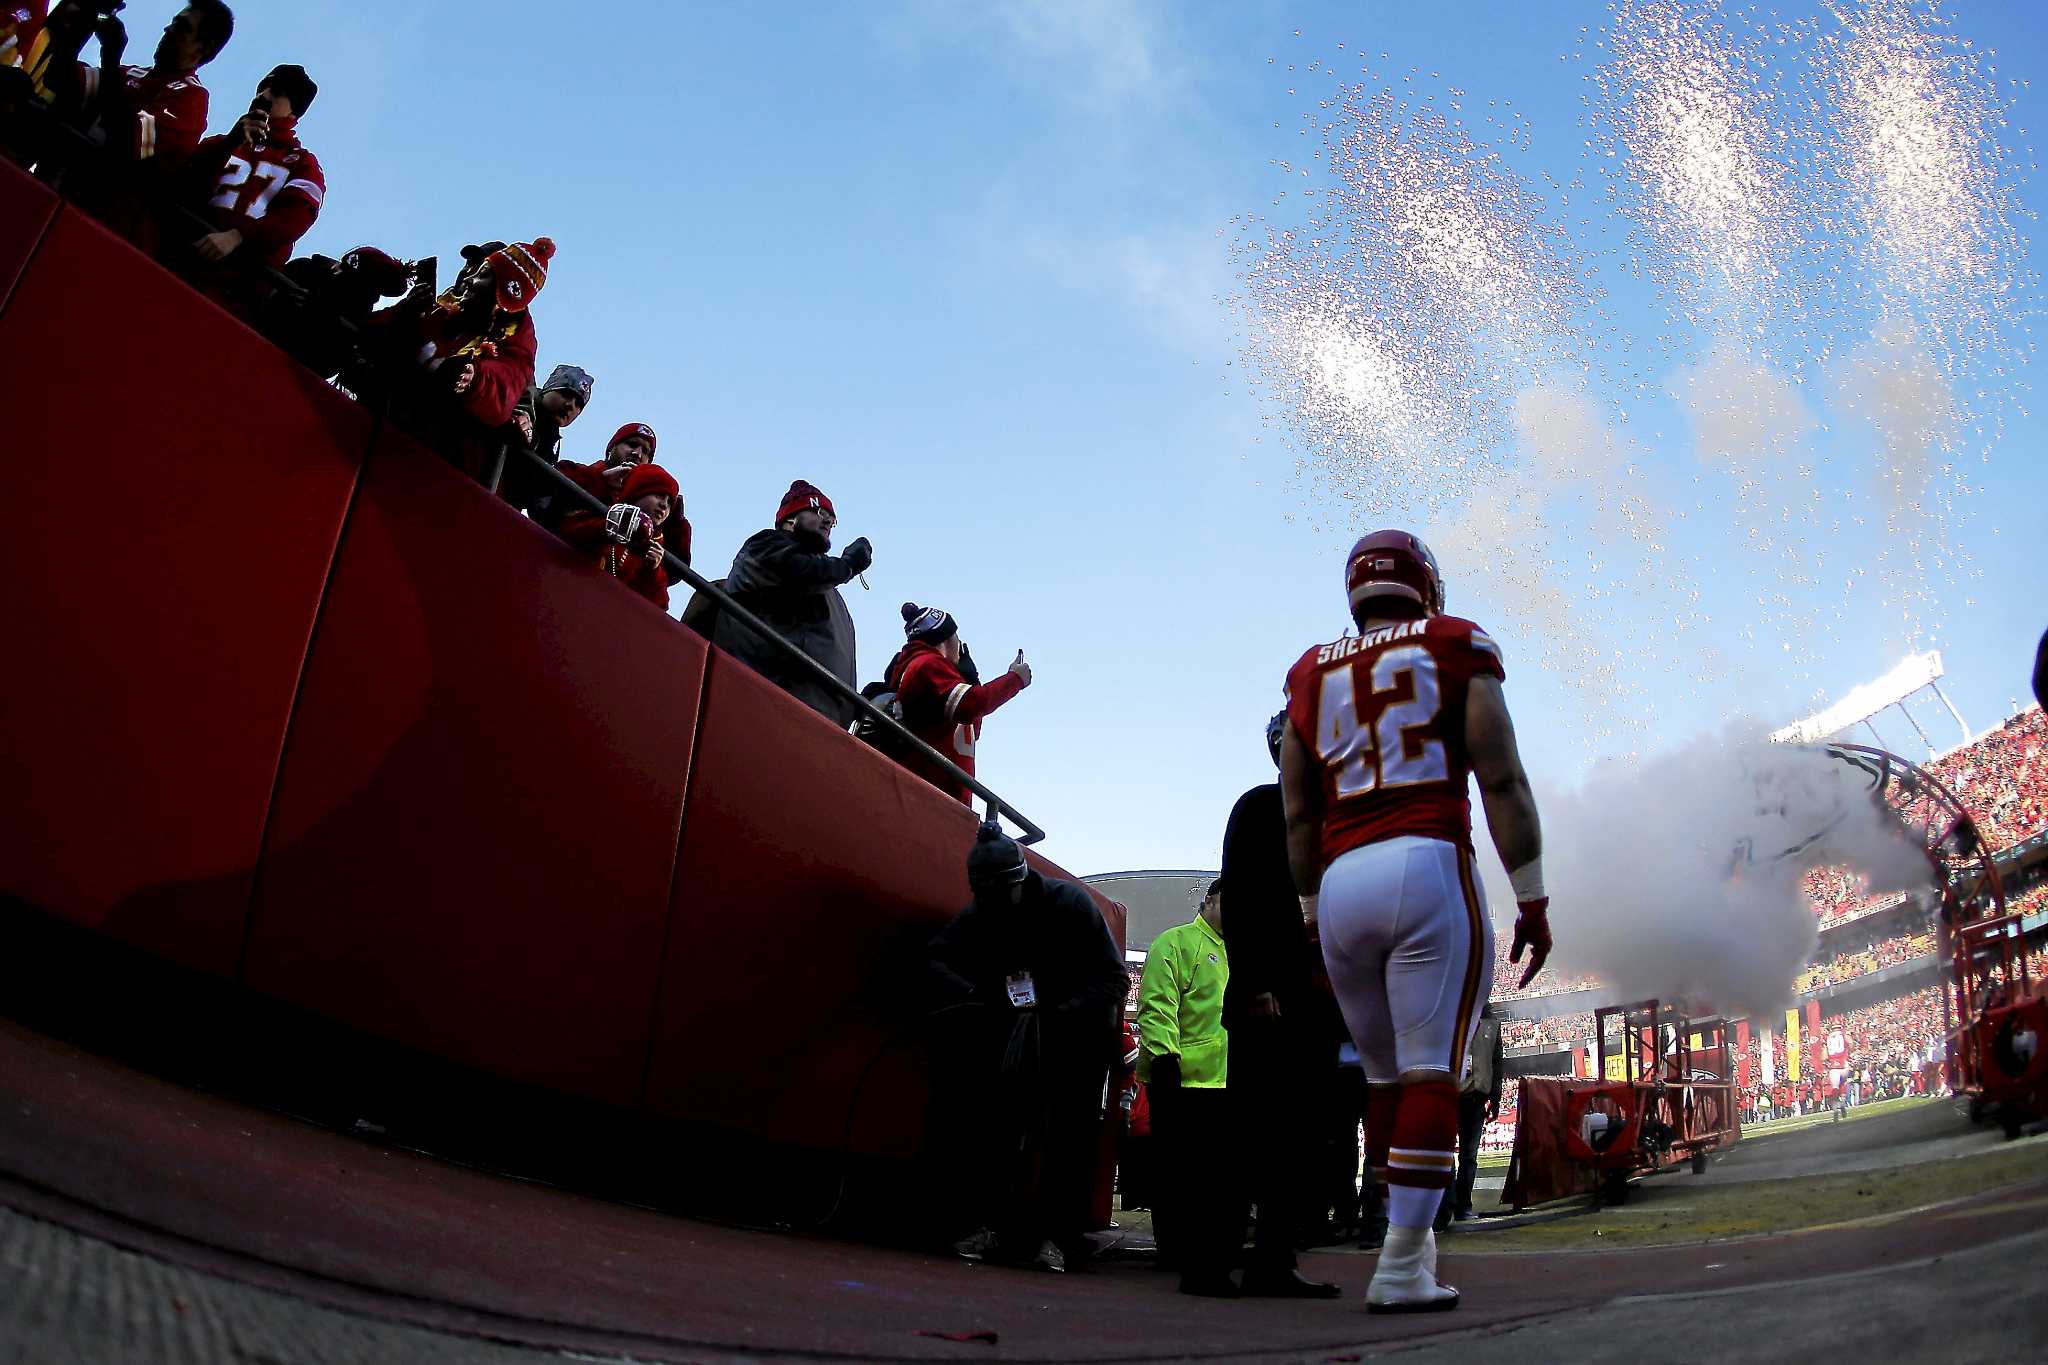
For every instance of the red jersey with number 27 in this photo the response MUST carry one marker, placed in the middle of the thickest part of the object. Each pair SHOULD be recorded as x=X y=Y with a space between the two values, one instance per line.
x=1384 y=715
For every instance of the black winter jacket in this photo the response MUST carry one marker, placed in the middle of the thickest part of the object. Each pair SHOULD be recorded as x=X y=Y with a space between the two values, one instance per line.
x=797 y=592
x=1057 y=935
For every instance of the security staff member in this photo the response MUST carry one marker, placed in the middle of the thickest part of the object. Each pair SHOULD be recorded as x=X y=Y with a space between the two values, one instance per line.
x=1184 y=1056
x=1283 y=1035
x=1043 y=985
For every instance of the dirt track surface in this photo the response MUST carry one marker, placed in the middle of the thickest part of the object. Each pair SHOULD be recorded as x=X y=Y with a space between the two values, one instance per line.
x=149 y=1222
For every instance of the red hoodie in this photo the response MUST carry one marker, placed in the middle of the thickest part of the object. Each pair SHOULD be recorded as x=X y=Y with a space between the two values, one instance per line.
x=637 y=564
x=944 y=710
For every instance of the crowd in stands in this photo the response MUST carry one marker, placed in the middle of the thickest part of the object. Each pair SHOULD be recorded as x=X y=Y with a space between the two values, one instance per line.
x=454 y=365
x=2002 y=779
x=1883 y=1051
x=1549 y=981
x=2028 y=901
x=1839 y=895
x=1559 y=1030
x=1886 y=952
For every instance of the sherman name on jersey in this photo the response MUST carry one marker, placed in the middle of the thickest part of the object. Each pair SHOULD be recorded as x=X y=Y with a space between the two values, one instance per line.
x=1383 y=713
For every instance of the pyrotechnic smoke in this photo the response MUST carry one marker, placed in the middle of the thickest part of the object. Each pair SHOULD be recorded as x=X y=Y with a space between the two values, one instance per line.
x=1680 y=878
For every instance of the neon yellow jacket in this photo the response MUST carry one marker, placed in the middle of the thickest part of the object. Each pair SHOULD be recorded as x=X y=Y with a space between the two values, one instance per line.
x=1180 y=1005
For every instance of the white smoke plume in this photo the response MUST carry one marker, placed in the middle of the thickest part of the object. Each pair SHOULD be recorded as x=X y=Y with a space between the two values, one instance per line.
x=1679 y=878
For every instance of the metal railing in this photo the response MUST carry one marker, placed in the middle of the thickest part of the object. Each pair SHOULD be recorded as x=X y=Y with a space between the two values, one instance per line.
x=679 y=571
x=77 y=146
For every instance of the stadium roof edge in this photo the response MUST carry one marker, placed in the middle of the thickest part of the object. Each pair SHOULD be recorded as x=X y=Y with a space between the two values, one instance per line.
x=1153 y=872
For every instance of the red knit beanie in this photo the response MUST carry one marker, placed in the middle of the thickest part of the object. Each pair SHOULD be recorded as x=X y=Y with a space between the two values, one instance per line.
x=800 y=496
x=519 y=271
x=384 y=272
x=640 y=429
x=650 y=478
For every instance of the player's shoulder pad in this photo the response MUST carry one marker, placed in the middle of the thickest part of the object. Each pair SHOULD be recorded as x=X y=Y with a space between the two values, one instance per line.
x=1459 y=630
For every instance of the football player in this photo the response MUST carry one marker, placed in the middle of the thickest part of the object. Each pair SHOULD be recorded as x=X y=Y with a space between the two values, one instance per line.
x=1383 y=729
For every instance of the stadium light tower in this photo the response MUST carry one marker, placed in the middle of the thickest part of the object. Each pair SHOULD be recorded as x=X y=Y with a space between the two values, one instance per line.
x=1915 y=674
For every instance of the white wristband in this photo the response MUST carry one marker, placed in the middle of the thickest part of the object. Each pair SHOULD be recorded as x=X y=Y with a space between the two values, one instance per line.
x=1528 y=880
x=1308 y=909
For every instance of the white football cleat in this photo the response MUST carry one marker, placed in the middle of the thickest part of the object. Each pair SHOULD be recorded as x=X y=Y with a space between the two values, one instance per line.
x=1405 y=1279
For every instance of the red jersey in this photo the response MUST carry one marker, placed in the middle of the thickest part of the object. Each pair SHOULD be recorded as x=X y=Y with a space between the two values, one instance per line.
x=944 y=710
x=1385 y=715
x=20 y=23
x=153 y=114
x=270 y=191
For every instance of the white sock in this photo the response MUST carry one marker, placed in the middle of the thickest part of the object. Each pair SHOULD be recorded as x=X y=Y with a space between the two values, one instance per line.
x=1412 y=1206
x=1402 y=1245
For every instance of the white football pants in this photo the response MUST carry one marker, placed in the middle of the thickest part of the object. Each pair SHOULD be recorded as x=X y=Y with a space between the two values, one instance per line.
x=1410 y=952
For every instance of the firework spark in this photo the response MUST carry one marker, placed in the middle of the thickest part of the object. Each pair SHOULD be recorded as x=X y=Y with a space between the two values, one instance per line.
x=1825 y=211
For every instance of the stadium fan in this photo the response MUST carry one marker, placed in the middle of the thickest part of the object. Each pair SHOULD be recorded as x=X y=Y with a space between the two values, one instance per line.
x=1383 y=729
x=940 y=695
x=1283 y=1037
x=454 y=366
x=317 y=322
x=20 y=22
x=785 y=577
x=631 y=447
x=259 y=186
x=540 y=418
x=629 y=537
x=150 y=118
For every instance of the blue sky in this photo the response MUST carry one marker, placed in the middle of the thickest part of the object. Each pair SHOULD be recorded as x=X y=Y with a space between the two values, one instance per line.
x=960 y=265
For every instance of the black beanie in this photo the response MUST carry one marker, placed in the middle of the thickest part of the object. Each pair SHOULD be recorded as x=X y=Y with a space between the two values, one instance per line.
x=928 y=624
x=294 y=84
x=995 y=859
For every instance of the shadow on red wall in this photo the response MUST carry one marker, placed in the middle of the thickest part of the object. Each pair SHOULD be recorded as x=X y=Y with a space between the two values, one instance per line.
x=319 y=716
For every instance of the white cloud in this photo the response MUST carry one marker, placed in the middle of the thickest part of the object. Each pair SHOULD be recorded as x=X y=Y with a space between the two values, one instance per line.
x=1099 y=53
x=1172 y=281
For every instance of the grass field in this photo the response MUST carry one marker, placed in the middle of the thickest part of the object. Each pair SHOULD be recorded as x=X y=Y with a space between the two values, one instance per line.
x=1673 y=1209
x=1498 y=1165
x=1861 y=1111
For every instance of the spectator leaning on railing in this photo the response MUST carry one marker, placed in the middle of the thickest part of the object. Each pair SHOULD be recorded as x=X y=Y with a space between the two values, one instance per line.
x=457 y=365
x=258 y=185
x=631 y=446
x=628 y=539
x=540 y=418
x=785 y=577
x=317 y=323
x=941 y=696
x=151 y=118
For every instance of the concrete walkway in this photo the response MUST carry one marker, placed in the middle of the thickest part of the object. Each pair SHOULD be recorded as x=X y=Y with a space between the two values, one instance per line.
x=147 y=1222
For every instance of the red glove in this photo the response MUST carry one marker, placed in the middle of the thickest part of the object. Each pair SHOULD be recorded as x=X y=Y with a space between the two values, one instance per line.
x=1532 y=931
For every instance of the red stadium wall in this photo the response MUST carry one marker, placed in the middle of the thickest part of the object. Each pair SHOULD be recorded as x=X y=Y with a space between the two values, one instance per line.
x=321 y=717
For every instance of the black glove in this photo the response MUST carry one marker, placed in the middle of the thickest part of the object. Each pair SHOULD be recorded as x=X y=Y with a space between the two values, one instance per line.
x=859 y=555
x=1165 y=1073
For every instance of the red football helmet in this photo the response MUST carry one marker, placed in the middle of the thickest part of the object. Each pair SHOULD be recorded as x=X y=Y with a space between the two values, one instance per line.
x=1394 y=564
